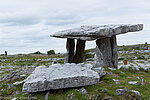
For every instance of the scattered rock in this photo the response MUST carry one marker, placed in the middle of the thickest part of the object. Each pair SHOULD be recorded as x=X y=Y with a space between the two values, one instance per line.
x=138 y=95
x=18 y=83
x=16 y=76
x=83 y=91
x=104 y=90
x=125 y=67
x=112 y=69
x=23 y=76
x=72 y=96
x=146 y=69
x=133 y=82
x=60 y=76
x=110 y=84
x=14 y=99
x=101 y=82
x=30 y=97
x=142 y=80
x=46 y=96
x=9 y=76
x=122 y=72
x=120 y=86
x=108 y=98
x=116 y=81
x=121 y=91
x=135 y=67
x=17 y=92
x=110 y=73
x=129 y=77
x=100 y=71
x=1 y=72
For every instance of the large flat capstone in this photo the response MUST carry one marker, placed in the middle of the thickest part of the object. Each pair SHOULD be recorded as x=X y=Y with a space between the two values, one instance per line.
x=60 y=76
x=92 y=32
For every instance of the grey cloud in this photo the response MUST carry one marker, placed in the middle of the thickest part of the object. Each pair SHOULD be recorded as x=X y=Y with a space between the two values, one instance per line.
x=18 y=19
x=25 y=25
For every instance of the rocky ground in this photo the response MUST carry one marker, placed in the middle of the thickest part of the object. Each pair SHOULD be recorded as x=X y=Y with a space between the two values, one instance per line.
x=130 y=82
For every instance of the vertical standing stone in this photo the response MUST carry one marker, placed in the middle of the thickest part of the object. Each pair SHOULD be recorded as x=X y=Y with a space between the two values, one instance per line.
x=98 y=58
x=114 y=51
x=104 y=46
x=70 y=50
x=78 y=57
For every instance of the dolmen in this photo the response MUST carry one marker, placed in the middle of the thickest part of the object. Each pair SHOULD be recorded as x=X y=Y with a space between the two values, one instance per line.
x=106 y=44
x=74 y=73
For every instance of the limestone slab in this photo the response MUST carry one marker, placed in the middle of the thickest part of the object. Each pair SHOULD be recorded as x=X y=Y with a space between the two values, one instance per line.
x=70 y=46
x=92 y=32
x=104 y=46
x=60 y=76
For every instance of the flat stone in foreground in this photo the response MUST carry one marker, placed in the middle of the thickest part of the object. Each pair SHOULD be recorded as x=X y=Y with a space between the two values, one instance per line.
x=60 y=76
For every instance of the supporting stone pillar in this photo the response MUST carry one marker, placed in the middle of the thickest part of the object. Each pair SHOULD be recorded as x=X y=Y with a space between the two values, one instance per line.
x=114 y=49
x=98 y=58
x=70 y=46
x=104 y=46
x=78 y=57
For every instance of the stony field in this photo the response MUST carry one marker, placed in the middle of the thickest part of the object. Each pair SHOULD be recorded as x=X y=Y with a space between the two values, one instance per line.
x=130 y=82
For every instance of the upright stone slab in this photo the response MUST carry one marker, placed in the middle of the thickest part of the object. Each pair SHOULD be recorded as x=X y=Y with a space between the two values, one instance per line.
x=104 y=46
x=114 y=51
x=78 y=57
x=70 y=50
x=98 y=58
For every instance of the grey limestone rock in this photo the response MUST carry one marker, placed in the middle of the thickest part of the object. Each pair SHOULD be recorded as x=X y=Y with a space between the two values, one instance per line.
x=133 y=82
x=70 y=46
x=83 y=91
x=138 y=95
x=98 y=58
x=9 y=76
x=121 y=91
x=104 y=47
x=46 y=96
x=106 y=52
x=93 y=32
x=78 y=57
x=60 y=76
x=108 y=98
x=100 y=71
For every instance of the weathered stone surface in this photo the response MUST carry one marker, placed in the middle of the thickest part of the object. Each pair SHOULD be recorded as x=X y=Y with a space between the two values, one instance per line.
x=112 y=74
x=108 y=98
x=116 y=81
x=9 y=76
x=98 y=58
x=46 y=96
x=60 y=76
x=138 y=95
x=83 y=91
x=100 y=71
x=114 y=51
x=78 y=57
x=133 y=82
x=70 y=50
x=104 y=46
x=93 y=32
x=121 y=91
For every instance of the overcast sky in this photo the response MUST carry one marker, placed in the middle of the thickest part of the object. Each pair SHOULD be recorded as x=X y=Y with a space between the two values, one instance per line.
x=25 y=25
